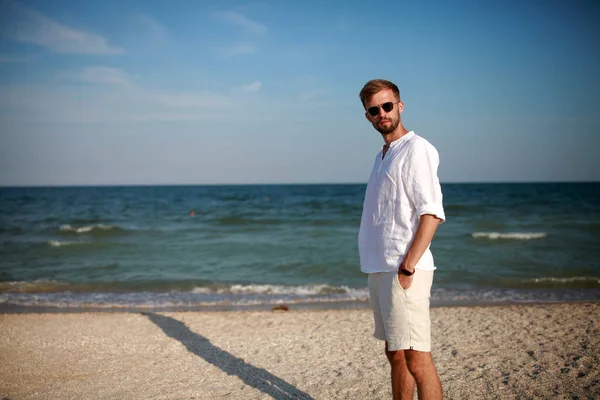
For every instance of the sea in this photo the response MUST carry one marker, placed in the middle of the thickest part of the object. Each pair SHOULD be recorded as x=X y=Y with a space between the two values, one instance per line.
x=236 y=247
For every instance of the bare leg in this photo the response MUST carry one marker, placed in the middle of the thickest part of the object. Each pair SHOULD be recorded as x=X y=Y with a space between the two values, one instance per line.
x=420 y=364
x=403 y=383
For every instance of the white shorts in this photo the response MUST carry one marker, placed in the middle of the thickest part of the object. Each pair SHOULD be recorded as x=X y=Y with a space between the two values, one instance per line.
x=401 y=316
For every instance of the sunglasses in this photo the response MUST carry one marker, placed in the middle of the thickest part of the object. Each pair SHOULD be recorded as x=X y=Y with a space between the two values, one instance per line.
x=387 y=107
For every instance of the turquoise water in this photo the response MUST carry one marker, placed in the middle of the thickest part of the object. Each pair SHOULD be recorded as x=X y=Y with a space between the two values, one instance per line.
x=263 y=244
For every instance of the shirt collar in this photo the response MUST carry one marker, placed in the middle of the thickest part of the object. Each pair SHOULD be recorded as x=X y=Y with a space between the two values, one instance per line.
x=396 y=142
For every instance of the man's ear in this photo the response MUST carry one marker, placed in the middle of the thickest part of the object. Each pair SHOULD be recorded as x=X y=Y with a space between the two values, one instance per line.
x=367 y=116
x=400 y=106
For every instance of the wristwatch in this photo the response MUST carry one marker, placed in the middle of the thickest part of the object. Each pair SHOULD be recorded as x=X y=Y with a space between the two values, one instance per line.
x=406 y=272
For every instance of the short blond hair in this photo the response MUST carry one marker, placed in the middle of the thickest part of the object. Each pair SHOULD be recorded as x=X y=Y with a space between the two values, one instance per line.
x=375 y=86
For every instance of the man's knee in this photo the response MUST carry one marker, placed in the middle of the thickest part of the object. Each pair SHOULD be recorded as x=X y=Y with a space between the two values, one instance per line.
x=417 y=362
x=390 y=355
x=395 y=357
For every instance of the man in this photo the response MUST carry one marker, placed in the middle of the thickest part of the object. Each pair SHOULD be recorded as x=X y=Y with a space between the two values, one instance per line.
x=401 y=212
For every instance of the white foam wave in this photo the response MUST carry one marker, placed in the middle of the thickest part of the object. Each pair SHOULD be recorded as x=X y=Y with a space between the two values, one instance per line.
x=38 y=285
x=510 y=235
x=565 y=280
x=58 y=243
x=85 y=229
x=300 y=290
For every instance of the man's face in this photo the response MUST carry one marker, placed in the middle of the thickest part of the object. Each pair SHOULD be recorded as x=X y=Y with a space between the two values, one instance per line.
x=384 y=122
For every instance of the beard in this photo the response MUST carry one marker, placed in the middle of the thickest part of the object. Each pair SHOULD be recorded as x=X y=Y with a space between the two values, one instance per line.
x=388 y=128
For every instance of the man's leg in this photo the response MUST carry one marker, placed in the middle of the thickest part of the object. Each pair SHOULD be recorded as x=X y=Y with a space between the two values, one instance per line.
x=403 y=383
x=421 y=367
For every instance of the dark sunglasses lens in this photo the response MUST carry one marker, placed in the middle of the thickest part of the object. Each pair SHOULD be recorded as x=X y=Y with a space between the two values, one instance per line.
x=387 y=107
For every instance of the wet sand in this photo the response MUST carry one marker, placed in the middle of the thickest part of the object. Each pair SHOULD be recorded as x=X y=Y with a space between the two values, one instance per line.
x=546 y=351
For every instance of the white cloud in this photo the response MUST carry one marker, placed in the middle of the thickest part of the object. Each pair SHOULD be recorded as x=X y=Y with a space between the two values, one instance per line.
x=105 y=75
x=190 y=100
x=170 y=116
x=111 y=103
x=29 y=26
x=311 y=96
x=252 y=87
x=242 y=21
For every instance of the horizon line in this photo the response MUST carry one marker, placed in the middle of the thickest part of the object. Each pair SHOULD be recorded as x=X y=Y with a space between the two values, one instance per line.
x=98 y=185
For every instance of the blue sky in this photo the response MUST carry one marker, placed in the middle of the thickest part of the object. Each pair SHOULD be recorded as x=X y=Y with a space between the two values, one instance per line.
x=204 y=92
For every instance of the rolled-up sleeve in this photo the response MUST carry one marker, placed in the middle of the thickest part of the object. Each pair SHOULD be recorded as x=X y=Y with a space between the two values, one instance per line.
x=421 y=181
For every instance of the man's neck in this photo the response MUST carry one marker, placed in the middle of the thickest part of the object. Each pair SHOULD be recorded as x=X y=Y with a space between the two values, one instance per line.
x=392 y=137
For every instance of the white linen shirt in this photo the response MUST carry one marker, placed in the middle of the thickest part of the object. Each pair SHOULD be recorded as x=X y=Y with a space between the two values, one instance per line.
x=403 y=186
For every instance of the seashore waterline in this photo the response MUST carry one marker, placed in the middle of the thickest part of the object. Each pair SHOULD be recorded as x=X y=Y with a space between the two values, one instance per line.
x=256 y=246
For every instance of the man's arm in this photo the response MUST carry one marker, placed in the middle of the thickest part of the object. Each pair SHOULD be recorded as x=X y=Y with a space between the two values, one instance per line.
x=427 y=226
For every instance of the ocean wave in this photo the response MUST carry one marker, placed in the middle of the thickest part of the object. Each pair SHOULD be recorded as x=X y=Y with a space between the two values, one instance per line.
x=12 y=230
x=88 y=228
x=202 y=294
x=235 y=220
x=36 y=286
x=61 y=295
x=510 y=235
x=58 y=243
x=300 y=290
x=565 y=281
x=176 y=300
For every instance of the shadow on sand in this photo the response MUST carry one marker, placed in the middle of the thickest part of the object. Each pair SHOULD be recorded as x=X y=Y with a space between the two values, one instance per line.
x=257 y=378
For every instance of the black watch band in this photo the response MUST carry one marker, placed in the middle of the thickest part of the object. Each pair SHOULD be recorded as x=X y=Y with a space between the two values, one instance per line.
x=406 y=272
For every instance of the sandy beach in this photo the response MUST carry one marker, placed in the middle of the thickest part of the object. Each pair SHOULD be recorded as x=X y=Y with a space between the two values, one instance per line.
x=500 y=352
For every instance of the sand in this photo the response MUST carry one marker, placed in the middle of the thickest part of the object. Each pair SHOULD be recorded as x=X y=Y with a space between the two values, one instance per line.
x=502 y=352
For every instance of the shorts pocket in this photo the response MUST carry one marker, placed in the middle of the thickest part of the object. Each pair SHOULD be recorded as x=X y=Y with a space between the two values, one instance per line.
x=420 y=289
x=396 y=277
